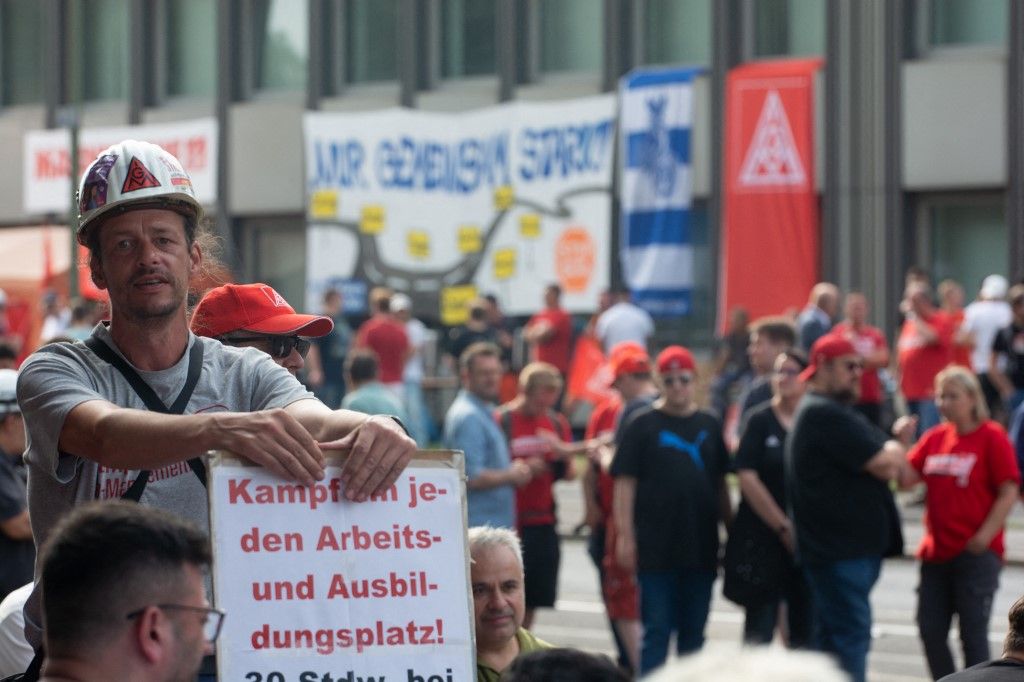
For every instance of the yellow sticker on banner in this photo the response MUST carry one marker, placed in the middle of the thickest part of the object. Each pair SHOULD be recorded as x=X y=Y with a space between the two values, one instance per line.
x=323 y=203
x=470 y=239
x=455 y=304
x=372 y=219
x=529 y=226
x=504 y=263
x=418 y=243
x=503 y=197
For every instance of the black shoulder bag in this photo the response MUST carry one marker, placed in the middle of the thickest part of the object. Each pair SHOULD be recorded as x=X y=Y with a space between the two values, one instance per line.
x=153 y=402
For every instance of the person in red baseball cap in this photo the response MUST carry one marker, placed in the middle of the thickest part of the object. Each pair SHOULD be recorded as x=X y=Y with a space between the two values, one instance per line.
x=838 y=470
x=669 y=469
x=634 y=389
x=256 y=315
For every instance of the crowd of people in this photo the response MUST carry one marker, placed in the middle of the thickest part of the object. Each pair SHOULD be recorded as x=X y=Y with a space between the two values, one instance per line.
x=806 y=409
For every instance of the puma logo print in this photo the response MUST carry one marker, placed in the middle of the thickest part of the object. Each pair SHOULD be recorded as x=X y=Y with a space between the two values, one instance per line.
x=668 y=439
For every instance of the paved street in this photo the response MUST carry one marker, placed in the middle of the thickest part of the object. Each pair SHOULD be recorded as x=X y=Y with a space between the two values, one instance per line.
x=578 y=620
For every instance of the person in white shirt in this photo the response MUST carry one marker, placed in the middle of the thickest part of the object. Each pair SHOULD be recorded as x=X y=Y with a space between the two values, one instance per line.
x=623 y=321
x=982 y=320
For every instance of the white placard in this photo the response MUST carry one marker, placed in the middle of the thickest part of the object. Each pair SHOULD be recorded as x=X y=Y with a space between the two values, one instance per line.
x=317 y=588
x=47 y=159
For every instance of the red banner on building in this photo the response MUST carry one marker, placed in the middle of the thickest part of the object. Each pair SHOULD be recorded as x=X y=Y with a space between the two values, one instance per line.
x=770 y=252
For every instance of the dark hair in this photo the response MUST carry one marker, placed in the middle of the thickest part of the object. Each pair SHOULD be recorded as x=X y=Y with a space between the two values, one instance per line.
x=556 y=289
x=1014 y=641
x=106 y=559
x=776 y=329
x=7 y=351
x=480 y=349
x=563 y=665
x=361 y=365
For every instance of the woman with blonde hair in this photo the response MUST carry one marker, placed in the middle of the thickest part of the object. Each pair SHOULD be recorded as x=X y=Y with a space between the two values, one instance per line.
x=969 y=468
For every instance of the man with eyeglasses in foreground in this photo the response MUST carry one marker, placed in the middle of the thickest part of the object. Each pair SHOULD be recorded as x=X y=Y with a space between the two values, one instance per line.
x=255 y=315
x=838 y=468
x=669 y=496
x=123 y=596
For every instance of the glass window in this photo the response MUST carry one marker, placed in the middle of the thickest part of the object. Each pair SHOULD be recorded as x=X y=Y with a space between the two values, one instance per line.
x=677 y=32
x=971 y=22
x=571 y=35
x=281 y=41
x=277 y=256
x=21 y=24
x=789 y=27
x=968 y=242
x=191 y=47
x=372 y=33
x=103 y=40
x=468 y=38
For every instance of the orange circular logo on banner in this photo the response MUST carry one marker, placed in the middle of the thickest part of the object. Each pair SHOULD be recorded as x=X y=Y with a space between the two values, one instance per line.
x=574 y=259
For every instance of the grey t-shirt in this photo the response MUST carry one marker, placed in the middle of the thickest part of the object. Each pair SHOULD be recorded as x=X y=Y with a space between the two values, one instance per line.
x=51 y=384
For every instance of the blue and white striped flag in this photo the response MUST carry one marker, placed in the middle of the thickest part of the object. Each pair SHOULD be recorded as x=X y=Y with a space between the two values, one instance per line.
x=656 y=188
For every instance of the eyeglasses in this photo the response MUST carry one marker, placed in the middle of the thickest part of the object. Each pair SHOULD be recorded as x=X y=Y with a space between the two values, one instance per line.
x=683 y=379
x=278 y=347
x=213 y=619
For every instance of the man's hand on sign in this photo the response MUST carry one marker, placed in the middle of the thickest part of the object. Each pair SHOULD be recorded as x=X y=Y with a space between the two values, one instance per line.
x=274 y=440
x=379 y=450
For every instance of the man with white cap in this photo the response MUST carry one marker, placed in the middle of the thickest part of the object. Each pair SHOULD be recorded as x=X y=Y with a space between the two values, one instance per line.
x=130 y=412
x=983 y=319
x=412 y=375
x=255 y=315
x=17 y=551
x=838 y=468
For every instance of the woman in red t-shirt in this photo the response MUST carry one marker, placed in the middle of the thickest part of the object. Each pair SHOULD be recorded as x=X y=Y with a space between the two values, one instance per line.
x=969 y=467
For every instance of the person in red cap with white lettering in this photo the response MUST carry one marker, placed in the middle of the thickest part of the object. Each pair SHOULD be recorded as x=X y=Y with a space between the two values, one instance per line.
x=669 y=497
x=838 y=469
x=256 y=315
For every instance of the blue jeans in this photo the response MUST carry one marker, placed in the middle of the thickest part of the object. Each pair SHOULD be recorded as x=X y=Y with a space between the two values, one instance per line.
x=416 y=412
x=842 y=610
x=672 y=601
x=926 y=412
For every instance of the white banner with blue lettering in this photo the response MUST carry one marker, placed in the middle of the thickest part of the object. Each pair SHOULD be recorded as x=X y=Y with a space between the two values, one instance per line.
x=448 y=206
x=656 y=188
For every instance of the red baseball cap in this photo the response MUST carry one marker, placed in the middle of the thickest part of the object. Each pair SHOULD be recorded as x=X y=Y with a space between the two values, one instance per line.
x=253 y=308
x=630 y=362
x=828 y=347
x=675 y=357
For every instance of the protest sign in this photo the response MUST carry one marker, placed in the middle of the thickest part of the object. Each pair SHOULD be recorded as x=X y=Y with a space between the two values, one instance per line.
x=506 y=199
x=319 y=589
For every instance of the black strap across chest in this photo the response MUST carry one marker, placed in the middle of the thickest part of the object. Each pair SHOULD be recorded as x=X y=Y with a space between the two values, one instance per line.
x=153 y=402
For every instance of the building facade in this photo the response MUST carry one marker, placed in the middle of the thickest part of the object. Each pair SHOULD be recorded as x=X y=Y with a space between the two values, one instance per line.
x=920 y=106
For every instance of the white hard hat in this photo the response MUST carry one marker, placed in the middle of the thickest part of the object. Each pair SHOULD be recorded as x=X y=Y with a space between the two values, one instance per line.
x=8 y=392
x=133 y=174
x=994 y=287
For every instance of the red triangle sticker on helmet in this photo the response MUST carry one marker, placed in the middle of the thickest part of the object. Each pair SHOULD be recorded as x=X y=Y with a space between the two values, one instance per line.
x=138 y=177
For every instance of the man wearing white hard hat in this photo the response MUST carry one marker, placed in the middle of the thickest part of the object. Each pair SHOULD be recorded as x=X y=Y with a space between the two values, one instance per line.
x=130 y=412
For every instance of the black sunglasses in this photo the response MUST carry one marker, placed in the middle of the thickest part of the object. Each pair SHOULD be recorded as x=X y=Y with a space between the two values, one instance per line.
x=278 y=347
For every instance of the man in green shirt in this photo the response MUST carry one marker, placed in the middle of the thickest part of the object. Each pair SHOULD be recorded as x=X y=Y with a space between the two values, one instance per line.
x=499 y=602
